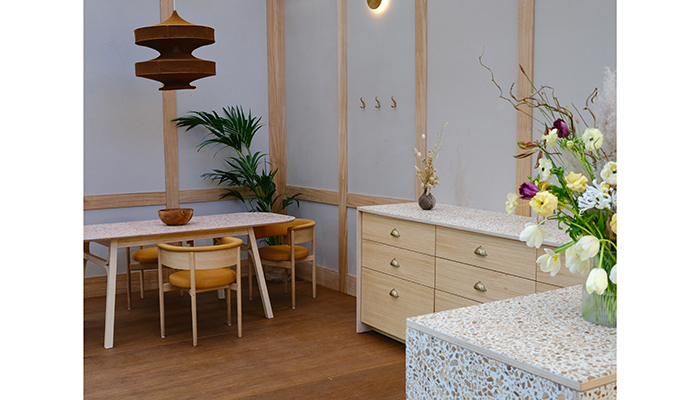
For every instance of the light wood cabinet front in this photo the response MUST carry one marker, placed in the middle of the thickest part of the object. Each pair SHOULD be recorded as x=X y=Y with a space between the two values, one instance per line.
x=409 y=265
x=388 y=301
x=499 y=254
x=448 y=301
x=407 y=268
x=479 y=284
x=408 y=235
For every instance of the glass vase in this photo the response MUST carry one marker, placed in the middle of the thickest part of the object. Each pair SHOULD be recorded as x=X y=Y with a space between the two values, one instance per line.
x=601 y=309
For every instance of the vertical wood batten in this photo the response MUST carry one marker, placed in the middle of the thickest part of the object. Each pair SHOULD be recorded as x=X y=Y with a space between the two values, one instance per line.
x=172 y=178
x=421 y=117
x=342 y=147
x=526 y=45
x=276 y=92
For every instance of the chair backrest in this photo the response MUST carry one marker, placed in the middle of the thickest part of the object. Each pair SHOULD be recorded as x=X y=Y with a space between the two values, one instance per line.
x=303 y=232
x=266 y=231
x=204 y=257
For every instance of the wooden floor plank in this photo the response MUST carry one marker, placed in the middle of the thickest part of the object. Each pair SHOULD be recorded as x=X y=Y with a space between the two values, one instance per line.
x=310 y=352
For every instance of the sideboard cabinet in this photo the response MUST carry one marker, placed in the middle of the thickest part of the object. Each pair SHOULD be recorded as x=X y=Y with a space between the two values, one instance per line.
x=413 y=262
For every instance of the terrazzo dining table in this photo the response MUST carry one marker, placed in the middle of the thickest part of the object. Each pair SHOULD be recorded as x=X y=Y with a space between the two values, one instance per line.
x=138 y=233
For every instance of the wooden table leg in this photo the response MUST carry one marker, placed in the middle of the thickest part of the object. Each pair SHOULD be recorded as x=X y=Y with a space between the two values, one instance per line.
x=111 y=295
x=253 y=245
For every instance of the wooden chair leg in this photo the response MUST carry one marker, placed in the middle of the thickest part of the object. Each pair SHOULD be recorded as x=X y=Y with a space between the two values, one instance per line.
x=239 y=311
x=141 y=281
x=228 y=306
x=128 y=289
x=161 y=302
x=313 y=276
x=193 y=299
x=294 y=289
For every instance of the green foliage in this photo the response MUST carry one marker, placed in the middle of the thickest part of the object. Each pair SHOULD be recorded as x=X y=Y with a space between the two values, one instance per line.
x=236 y=130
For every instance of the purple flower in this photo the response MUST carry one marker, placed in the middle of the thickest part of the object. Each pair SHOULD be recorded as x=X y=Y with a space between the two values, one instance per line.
x=562 y=128
x=528 y=190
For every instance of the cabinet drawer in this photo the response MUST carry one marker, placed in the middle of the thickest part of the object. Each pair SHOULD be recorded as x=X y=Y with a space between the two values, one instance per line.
x=448 y=301
x=503 y=255
x=460 y=279
x=409 y=235
x=388 y=313
x=409 y=265
x=563 y=278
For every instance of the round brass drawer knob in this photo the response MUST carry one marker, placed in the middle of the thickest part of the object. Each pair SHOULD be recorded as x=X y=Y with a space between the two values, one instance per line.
x=394 y=293
x=480 y=251
x=395 y=263
x=395 y=233
x=480 y=286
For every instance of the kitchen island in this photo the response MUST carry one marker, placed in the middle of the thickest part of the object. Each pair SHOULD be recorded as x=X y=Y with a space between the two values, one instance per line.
x=529 y=347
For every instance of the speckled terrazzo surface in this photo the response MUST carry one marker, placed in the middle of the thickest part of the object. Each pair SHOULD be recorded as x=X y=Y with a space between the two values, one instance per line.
x=197 y=223
x=481 y=221
x=542 y=333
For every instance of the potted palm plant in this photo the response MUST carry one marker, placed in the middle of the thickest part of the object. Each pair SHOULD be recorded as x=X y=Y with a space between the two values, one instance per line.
x=249 y=179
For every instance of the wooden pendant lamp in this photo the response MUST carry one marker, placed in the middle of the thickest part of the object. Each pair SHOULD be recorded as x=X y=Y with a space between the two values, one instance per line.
x=175 y=39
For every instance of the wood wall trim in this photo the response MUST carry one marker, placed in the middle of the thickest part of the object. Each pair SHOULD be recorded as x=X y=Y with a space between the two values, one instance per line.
x=276 y=92
x=421 y=114
x=315 y=195
x=353 y=200
x=526 y=45
x=103 y=201
x=342 y=146
x=361 y=200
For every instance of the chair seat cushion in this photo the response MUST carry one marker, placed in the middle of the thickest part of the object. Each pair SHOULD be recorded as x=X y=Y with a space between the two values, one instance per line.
x=206 y=278
x=147 y=255
x=281 y=252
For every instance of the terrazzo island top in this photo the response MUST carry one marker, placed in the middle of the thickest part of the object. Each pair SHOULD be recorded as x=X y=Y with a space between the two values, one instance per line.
x=481 y=221
x=197 y=223
x=541 y=333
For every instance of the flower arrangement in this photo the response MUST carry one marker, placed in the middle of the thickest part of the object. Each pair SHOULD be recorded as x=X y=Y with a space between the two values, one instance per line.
x=427 y=173
x=575 y=184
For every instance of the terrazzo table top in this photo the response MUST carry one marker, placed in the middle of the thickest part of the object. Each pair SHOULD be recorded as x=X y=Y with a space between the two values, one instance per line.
x=118 y=230
x=542 y=333
x=480 y=221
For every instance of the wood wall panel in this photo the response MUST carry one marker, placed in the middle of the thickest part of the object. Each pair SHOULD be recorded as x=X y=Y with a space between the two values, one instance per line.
x=526 y=45
x=276 y=92
x=342 y=146
x=421 y=82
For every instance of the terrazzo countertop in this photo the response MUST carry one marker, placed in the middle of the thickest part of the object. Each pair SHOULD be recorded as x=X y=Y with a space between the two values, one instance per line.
x=481 y=221
x=542 y=333
x=157 y=227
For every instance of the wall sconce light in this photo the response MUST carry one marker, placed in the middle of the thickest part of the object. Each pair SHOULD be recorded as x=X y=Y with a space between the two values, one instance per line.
x=374 y=4
x=175 y=39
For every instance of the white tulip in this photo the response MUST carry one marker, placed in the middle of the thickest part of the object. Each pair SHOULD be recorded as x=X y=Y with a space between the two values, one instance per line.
x=533 y=235
x=587 y=247
x=512 y=202
x=597 y=281
x=574 y=262
x=613 y=274
x=549 y=262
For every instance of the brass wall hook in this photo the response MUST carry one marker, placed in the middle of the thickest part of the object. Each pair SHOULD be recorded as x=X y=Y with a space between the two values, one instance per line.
x=378 y=103
x=363 y=103
x=394 y=101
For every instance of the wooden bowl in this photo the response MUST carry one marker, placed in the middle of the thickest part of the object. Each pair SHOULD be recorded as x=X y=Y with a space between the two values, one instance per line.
x=175 y=216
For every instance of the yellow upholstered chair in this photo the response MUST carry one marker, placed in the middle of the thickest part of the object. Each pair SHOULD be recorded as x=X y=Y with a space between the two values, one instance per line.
x=140 y=260
x=201 y=269
x=287 y=255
